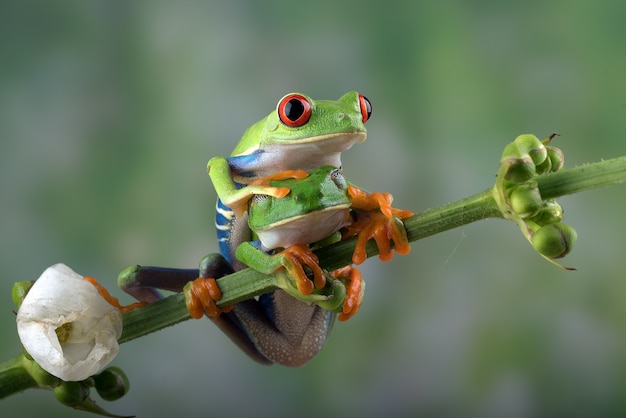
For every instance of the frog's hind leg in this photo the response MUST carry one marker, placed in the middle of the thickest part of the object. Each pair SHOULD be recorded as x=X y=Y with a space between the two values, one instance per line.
x=279 y=329
x=144 y=282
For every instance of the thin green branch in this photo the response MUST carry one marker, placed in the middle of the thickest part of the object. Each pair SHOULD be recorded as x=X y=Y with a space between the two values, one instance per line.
x=249 y=283
x=582 y=178
x=15 y=376
x=158 y=315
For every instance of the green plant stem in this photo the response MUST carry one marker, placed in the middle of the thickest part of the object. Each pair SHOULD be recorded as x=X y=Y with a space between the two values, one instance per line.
x=14 y=377
x=172 y=310
x=248 y=283
x=582 y=178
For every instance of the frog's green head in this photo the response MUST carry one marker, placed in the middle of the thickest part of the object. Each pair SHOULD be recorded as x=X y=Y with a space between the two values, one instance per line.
x=316 y=127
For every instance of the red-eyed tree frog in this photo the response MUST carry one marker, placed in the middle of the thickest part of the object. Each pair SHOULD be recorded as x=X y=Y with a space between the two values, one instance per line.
x=279 y=191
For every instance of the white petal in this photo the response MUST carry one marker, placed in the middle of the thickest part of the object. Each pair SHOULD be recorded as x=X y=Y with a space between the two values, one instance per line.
x=58 y=297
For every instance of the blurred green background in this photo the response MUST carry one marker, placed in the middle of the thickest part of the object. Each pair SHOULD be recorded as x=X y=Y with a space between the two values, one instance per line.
x=110 y=110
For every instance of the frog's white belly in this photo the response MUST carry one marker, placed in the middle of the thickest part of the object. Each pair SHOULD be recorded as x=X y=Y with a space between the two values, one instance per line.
x=307 y=229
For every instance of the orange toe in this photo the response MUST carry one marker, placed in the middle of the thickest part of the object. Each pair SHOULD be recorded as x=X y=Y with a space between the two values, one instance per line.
x=201 y=296
x=354 y=293
x=299 y=256
x=102 y=291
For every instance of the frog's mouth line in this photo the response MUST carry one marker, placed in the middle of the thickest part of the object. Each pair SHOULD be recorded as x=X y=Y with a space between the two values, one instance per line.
x=324 y=142
x=315 y=215
x=353 y=137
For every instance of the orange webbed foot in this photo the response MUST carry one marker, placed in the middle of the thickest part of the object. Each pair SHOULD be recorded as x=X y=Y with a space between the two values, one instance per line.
x=263 y=186
x=376 y=201
x=200 y=297
x=102 y=291
x=370 y=201
x=377 y=219
x=354 y=291
x=298 y=256
x=283 y=175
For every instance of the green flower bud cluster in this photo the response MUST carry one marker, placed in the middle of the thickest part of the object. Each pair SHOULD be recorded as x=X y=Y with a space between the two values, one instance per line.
x=111 y=384
x=519 y=198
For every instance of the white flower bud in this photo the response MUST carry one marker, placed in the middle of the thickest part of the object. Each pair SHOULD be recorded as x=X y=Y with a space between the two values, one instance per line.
x=66 y=326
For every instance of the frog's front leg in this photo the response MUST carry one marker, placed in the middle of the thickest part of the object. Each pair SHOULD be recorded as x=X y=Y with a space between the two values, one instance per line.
x=293 y=259
x=235 y=196
x=376 y=218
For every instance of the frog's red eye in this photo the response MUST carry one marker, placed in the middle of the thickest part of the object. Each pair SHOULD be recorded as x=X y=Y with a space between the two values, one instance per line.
x=366 y=108
x=294 y=110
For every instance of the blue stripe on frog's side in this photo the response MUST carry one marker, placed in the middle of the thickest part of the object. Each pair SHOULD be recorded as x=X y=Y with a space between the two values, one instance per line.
x=245 y=165
x=224 y=222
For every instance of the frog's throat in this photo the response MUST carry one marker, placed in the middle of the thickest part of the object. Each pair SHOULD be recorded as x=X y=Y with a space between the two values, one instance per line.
x=337 y=141
x=353 y=137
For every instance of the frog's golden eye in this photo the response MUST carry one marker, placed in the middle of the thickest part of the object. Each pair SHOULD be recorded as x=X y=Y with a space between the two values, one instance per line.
x=294 y=110
x=366 y=108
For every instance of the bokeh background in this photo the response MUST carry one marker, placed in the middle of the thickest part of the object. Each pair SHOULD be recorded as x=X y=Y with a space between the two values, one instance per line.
x=110 y=110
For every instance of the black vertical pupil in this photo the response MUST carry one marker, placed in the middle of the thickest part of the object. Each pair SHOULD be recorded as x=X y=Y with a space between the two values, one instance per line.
x=294 y=109
x=368 y=107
